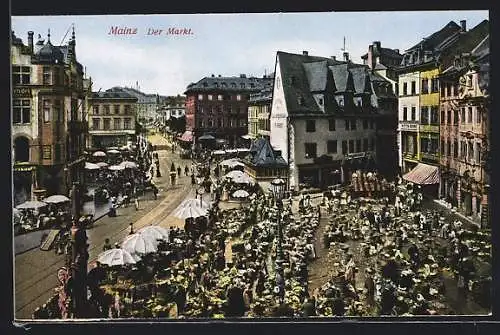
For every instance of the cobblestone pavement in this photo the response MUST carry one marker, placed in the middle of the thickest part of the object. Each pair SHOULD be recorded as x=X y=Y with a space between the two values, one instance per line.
x=35 y=270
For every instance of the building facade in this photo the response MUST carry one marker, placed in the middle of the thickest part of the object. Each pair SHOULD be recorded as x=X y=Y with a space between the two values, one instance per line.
x=265 y=164
x=323 y=119
x=147 y=104
x=218 y=106
x=383 y=63
x=172 y=109
x=465 y=126
x=419 y=107
x=111 y=119
x=48 y=116
x=259 y=112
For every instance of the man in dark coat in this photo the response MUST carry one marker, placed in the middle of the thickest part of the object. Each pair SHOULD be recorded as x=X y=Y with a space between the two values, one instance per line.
x=235 y=301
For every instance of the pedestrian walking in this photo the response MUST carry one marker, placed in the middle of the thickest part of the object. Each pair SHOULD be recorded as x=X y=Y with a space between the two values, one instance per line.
x=179 y=171
x=107 y=245
x=136 y=203
x=131 y=228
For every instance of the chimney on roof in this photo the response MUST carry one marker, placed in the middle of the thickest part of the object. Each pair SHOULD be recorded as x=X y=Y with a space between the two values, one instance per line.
x=333 y=57
x=305 y=53
x=376 y=45
x=213 y=76
x=30 y=41
x=396 y=50
x=219 y=75
x=463 y=26
x=243 y=75
x=346 y=56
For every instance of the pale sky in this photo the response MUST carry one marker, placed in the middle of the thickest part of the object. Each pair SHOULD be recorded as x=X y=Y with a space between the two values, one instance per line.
x=226 y=44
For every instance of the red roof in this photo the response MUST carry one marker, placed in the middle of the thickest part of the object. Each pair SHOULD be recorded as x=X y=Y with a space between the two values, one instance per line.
x=423 y=174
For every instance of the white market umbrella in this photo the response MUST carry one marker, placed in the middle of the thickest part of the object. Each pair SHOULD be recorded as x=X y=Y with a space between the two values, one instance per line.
x=102 y=164
x=190 y=212
x=56 y=199
x=241 y=194
x=116 y=167
x=32 y=204
x=139 y=244
x=91 y=166
x=191 y=208
x=99 y=154
x=155 y=232
x=128 y=165
x=113 y=151
x=235 y=174
x=194 y=203
x=115 y=257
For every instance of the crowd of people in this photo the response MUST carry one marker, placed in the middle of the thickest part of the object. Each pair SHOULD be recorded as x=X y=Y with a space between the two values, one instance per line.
x=386 y=256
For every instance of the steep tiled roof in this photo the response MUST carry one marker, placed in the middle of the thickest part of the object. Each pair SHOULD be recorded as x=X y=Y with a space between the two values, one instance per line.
x=432 y=41
x=235 y=84
x=465 y=42
x=360 y=79
x=316 y=73
x=112 y=95
x=262 y=154
x=341 y=77
x=303 y=75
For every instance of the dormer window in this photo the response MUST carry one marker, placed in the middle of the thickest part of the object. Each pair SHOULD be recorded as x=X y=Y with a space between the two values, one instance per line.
x=340 y=101
x=320 y=101
x=242 y=85
x=233 y=85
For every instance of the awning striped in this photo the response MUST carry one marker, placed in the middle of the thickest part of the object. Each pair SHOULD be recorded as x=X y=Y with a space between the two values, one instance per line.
x=423 y=174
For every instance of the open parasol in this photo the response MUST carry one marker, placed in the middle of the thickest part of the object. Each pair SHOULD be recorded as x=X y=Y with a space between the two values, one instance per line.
x=113 y=151
x=56 y=199
x=99 y=154
x=139 y=244
x=102 y=164
x=91 y=166
x=116 y=167
x=128 y=165
x=116 y=256
x=241 y=194
x=32 y=204
x=190 y=211
x=155 y=232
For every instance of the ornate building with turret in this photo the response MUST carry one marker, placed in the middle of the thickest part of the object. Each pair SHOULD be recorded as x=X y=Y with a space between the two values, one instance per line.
x=50 y=97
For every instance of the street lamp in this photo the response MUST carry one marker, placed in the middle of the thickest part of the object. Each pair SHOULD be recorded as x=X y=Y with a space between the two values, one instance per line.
x=278 y=189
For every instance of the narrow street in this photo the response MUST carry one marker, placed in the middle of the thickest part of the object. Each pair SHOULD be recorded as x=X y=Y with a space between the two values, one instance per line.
x=35 y=270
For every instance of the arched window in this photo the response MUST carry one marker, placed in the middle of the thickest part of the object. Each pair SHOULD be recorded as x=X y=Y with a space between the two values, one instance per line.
x=21 y=149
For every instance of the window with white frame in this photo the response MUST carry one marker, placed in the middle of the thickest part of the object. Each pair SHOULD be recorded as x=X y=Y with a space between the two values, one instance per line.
x=21 y=75
x=220 y=97
x=238 y=97
x=21 y=111
x=210 y=97
x=200 y=96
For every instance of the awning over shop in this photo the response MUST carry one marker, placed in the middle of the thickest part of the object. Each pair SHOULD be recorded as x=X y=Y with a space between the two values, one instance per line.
x=423 y=174
x=187 y=136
